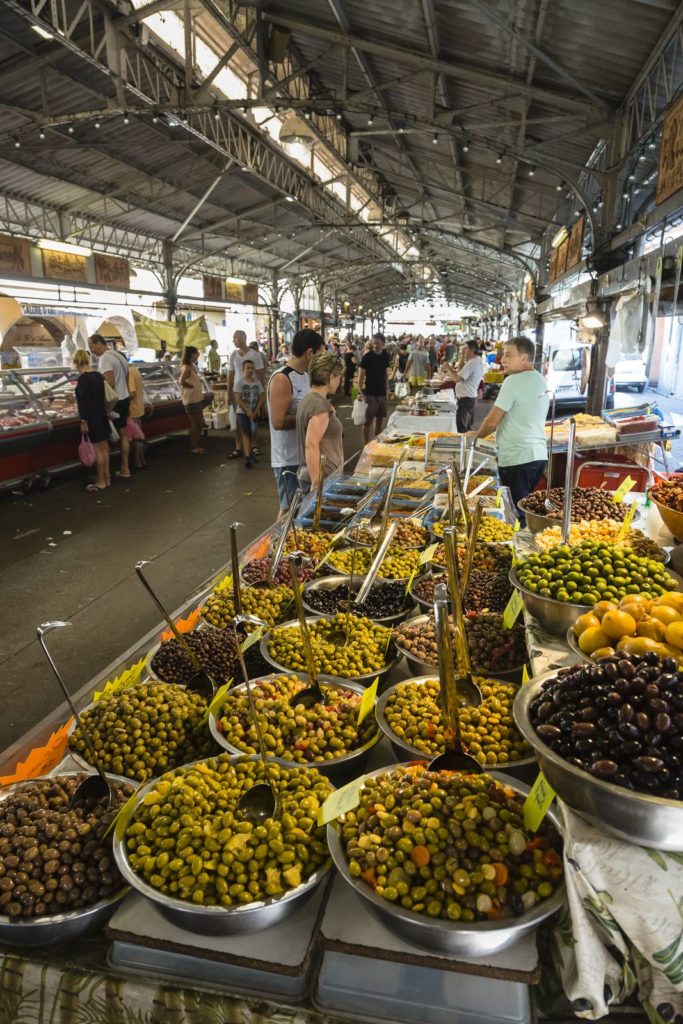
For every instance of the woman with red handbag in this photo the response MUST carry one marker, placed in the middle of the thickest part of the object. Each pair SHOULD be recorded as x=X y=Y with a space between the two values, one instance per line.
x=92 y=409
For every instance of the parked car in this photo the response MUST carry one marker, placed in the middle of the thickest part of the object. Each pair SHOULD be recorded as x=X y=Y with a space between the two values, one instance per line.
x=563 y=370
x=630 y=373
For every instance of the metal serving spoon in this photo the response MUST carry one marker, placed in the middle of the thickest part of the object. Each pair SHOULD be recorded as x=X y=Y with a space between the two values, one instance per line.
x=472 y=545
x=282 y=539
x=376 y=564
x=468 y=688
x=319 y=495
x=311 y=694
x=235 y=567
x=549 y=505
x=454 y=758
x=93 y=787
x=200 y=681
x=260 y=802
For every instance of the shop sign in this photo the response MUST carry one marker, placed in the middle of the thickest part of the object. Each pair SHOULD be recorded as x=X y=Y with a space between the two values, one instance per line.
x=561 y=264
x=64 y=266
x=112 y=271
x=670 y=177
x=247 y=293
x=213 y=288
x=15 y=255
x=575 y=242
x=33 y=309
x=552 y=269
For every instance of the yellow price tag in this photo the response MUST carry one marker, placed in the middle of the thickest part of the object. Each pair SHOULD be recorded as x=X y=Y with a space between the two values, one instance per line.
x=411 y=578
x=341 y=801
x=525 y=675
x=512 y=610
x=499 y=497
x=252 y=638
x=626 y=525
x=216 y=704
x=427 y=554
x=130 y=677
x=536 y=805
x=624 y=487
x=516 y=527
x=367 y=702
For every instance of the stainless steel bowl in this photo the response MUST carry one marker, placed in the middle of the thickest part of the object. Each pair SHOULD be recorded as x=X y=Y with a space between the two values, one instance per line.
x=209 y=920
x=202 y=624
x=339 y=770
x=374 y=530
x=573 y=645
x=405 y=750
x=453 y=937
x=555 y=616
x=330 y=582
x=364 y=680
x=436 y=570
x=634 y=817
x=536 y=521
x=58 y=928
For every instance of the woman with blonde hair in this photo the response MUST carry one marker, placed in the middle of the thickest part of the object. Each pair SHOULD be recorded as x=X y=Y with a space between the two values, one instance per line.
x=92 y=409
x=319 y=430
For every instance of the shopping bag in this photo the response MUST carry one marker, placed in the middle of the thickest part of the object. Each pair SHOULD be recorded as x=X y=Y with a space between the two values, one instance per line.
x=232 y=417
x=86 y=451
x=359 y=411
x=402 y=389
x=134 y=430
x=110 y=396
x=113 y=432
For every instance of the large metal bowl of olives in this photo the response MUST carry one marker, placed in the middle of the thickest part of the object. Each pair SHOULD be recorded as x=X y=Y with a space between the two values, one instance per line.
x=393 y=656
x=203 y=918
x=405 y=750
x=555 y=616
x=335 y=582
x=53 y=929
x=635 y=817
x=454 y=937
x=338 y=769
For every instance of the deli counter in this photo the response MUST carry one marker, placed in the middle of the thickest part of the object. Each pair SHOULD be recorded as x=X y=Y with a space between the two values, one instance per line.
x=40 y=427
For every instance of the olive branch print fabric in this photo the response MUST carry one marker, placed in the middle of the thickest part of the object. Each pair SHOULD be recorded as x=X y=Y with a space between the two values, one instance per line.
x=622 y=929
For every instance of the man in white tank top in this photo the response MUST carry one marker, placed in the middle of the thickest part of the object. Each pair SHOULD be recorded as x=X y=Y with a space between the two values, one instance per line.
x=286 y=387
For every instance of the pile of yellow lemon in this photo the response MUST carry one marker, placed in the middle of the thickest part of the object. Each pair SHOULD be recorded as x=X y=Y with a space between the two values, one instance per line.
x=636 y=625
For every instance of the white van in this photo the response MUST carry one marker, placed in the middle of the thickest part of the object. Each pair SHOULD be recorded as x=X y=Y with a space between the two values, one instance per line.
x=564 y=368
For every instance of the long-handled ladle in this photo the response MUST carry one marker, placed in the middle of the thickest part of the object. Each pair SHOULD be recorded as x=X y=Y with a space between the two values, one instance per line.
x=93 y=787
x=469 y=689
x=311 y=694
x=260 y=801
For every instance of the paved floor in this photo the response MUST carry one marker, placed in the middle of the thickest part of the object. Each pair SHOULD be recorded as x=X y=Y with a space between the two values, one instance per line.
x=65 y=554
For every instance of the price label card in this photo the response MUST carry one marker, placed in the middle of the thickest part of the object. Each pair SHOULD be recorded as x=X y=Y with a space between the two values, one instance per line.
x=427 y=554
x=626 y=525
x=516 y=527
x=512 y=610
x=217 y=702
x=624 y=487
x=525 y=675
x=411 y=578
x=341 y=801
x=499 y=497
x=367 y=701
x=536 y=805
x=253 y=638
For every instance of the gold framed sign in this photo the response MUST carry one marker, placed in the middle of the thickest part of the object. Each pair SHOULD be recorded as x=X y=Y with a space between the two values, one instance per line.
x=670 y=177
x=112 y=271
x=64 y=266
x=575 y=242
x=15 y=255
x=213 y=288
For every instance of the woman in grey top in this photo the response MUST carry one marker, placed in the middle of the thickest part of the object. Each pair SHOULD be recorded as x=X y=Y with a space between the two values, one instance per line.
x=319 y=431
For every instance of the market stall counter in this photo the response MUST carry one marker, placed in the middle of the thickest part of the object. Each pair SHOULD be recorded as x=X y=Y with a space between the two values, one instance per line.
x=39 y=425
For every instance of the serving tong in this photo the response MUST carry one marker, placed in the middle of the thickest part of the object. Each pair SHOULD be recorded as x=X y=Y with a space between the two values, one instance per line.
x=311 y=694
x=469 y=689
x=569 y=483
x=93 y=787
x=549 y=505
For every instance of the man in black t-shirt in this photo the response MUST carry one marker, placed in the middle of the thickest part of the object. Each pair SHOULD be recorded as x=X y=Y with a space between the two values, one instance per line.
x=372 y=382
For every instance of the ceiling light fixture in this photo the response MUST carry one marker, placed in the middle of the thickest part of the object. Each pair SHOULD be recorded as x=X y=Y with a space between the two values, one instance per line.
x=97 y=124
x=289 y=199
x=593 y=318
x=465 y=146
x=70 y=129
x=216 y=114
x=338 y=115
x=435 y=139
x=371 y=120
x=73 y=250
x=559 y=237
x=499 y=158
x=295 y=131
x=559 y=186
x=41 y=134
x=126 y=119
x=531 y=171
x=17 y=144
x=155 y=118
x=42 y=32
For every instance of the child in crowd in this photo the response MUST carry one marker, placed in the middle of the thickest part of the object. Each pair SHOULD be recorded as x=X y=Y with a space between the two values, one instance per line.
x=250 y=398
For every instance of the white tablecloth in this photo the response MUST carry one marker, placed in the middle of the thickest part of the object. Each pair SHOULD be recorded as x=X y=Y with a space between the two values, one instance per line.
x=402 y=423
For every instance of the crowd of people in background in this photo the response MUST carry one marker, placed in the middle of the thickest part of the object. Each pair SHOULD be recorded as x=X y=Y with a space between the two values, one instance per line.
x=292 y=390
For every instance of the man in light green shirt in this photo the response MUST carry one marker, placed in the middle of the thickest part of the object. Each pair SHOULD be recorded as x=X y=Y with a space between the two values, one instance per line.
x=518 y=418
x=213 y=358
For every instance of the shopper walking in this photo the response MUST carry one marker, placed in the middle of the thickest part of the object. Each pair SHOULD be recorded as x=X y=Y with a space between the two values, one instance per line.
x=250 y=401
x=213 y=358
x=191 y=386
x=286 y=388
x=372 y=382
x=319 y=430
x=518 y=418
x=92 y=409
x=417 y=367
x=235 y=375
x=114 y=368
x=467 y=374
x=350 y=365
x=136 y=390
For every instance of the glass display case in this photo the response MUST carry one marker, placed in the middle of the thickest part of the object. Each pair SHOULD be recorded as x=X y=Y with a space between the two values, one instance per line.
x=160 y=383
x=52 y=391
x=18 y=411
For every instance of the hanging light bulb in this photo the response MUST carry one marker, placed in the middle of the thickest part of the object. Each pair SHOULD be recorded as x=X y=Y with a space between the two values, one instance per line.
x=499 y=158
x=435 y=139
x=371 y=120
x=531 y=171
x=41 y=134
x=97 y=124
x=126 y=119
x=70 y=129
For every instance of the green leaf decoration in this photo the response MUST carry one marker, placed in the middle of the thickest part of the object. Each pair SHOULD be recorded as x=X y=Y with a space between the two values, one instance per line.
x=657 y=857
